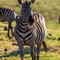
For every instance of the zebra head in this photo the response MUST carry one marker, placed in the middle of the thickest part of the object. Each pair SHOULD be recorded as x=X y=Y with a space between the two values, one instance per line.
x=26 y=11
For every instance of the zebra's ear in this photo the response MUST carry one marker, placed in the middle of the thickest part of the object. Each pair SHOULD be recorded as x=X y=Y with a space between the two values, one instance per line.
x=31 y=1
x=20 y=2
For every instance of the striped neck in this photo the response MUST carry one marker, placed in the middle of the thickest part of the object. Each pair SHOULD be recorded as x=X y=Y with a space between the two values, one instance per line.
x=23 y=22
x=23 y=26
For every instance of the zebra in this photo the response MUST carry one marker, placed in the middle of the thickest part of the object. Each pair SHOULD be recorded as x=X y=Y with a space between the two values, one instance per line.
x=9 y=15
x=30 y=30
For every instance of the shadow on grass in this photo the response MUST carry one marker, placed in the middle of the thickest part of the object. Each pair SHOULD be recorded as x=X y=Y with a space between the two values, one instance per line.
x=54 y=49
x=17 y=53
x=14 y=53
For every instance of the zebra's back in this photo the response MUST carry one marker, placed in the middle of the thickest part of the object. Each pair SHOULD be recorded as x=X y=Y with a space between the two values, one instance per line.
x=41 y=28
x=7 y=14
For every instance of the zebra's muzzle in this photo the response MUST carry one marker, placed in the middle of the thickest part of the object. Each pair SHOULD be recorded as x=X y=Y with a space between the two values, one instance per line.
x=31 y=20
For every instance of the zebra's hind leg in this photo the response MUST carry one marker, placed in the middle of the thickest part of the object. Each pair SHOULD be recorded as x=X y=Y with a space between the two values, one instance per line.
x=33 y=52
x=38 y=50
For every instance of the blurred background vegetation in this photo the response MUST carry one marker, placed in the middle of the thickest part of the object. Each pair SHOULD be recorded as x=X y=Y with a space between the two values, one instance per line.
x=50 y=9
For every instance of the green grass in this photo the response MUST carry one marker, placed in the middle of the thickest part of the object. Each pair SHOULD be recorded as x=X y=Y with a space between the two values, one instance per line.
x=50 y=9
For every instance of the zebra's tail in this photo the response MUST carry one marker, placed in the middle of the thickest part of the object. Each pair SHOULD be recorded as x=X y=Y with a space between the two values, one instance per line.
x=45 y=47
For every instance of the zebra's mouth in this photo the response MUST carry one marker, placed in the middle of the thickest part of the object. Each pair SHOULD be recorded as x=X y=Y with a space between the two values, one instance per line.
x=30 y=23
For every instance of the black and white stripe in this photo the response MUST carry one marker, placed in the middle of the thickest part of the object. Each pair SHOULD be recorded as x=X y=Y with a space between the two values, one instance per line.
x=8 y=15
x=30 y=30
x=25 y=32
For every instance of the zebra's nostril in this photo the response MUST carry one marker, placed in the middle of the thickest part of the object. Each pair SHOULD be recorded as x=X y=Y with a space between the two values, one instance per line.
x=24 y=10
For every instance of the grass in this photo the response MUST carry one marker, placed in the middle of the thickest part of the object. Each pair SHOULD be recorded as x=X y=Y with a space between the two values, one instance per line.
x=50 y=9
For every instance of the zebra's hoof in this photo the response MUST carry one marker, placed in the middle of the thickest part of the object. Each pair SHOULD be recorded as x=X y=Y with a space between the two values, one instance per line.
x=15 y=44
x=59 y=38
x=9 y=37
x=5 y=28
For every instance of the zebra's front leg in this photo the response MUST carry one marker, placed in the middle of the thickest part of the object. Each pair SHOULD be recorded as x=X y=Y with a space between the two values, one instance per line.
x=38 y=50
x=21 y=50
x=8 y=31
x=12 y=30
x=33 y=52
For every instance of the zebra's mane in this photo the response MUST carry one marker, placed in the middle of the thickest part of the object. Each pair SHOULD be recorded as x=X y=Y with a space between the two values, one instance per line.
x=6 y=8
x=27 y=1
